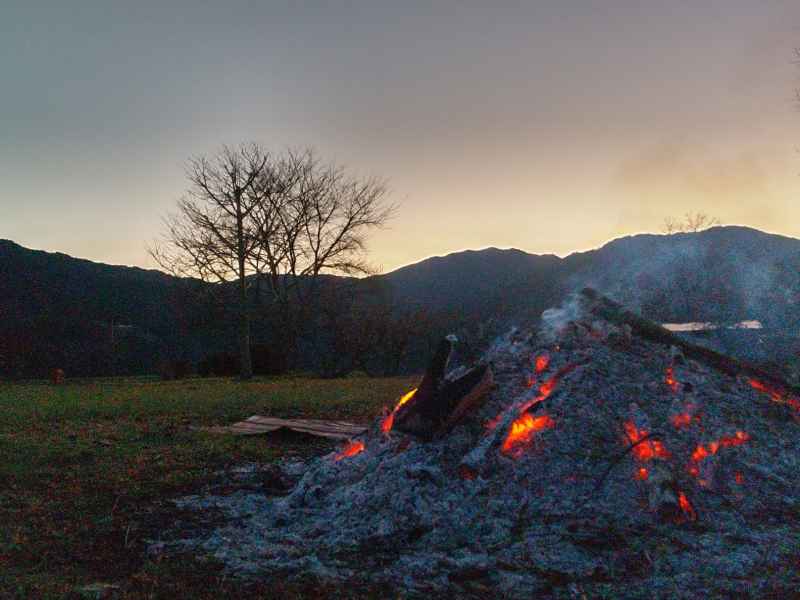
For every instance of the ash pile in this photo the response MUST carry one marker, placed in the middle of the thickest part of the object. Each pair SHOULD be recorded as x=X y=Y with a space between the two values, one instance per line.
x=590 y=457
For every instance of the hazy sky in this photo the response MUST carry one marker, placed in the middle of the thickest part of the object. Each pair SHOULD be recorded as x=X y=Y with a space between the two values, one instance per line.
x=549 y=126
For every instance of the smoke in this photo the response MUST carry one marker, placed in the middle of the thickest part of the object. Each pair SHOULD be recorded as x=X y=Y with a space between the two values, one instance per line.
x=555 y=319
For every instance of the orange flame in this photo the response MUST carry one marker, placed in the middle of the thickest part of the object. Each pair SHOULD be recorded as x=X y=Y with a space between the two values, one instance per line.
x=642 y=474
x=388 y=422
x=647 y=450
x=669 y=379
x=352 y=448
x=686 y=507
x=522 y=432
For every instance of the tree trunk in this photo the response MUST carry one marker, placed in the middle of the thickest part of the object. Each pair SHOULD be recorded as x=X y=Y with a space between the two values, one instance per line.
x=246 y=371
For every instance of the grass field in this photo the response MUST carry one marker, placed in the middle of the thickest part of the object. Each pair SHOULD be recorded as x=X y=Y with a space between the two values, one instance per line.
x=85 y=469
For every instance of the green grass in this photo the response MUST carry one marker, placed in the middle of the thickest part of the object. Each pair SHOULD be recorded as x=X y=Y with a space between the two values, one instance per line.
x=85 y=469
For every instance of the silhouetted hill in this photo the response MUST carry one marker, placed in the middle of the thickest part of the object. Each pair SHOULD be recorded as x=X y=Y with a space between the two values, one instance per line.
x=61 y=307
x=57 y=310
x=477 y=281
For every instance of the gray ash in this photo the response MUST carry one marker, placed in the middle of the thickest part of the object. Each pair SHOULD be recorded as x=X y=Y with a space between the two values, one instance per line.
x=600 y=463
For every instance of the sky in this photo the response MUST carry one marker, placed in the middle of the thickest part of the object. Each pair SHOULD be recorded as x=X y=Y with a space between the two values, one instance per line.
x=550 y=126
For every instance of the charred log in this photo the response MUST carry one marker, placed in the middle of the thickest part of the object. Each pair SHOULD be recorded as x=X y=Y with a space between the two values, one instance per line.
x=440 y=403
x=609 y=310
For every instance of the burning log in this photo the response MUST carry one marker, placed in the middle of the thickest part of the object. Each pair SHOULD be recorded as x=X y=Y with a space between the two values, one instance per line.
x=615 y=313
x=440 y=403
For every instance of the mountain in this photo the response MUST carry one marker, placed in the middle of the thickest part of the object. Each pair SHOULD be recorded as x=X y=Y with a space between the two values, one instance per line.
x=101 y=318
x=59 y=310
x=478 y=282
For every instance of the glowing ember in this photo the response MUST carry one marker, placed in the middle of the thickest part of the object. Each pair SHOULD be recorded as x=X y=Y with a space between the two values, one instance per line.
x=669 y=379
x=522 y=432
x=642 y=474
x=702 y=452
x=737 y=440
x=699 y=453
x=739 y=478
x=492 y=424
x=467 y=473
x=644 y=450
x=761 y=387
x=776 y=395
x=388 y=422
x=547 y=388
x=686 y=507
x=542 y=362
x=681 y=420
x=352 y=448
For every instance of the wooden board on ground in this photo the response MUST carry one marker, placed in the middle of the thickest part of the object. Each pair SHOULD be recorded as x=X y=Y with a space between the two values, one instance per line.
x=257 y=425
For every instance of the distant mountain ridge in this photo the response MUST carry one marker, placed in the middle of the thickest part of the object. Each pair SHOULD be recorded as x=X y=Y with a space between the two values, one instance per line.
x=723 y=274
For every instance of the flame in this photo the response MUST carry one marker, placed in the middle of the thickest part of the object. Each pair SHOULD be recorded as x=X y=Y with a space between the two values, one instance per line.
x=542 y=362
x=669 y=379
x=642 y=474
x=388 y=422
x=522 y=432
x=644 y=451
x=352 y=448
x=686 y=507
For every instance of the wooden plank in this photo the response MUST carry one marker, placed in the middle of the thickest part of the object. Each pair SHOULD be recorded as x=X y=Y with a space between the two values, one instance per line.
x=257 y=425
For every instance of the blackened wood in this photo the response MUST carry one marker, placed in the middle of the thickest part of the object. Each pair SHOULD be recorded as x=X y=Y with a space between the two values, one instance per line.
x=466 y=393
x=615 y=313
x=408 y=417
x=438 y=403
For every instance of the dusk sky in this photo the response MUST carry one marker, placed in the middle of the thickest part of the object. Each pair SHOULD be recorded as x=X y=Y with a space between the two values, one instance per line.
x=548 y=126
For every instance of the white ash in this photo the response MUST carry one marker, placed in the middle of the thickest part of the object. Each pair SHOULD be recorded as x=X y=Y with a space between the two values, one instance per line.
x=458 y=516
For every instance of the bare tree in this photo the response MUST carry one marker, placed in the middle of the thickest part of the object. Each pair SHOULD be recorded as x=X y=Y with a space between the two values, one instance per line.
x=691 y=223
x=313 y=218
x=212 y=235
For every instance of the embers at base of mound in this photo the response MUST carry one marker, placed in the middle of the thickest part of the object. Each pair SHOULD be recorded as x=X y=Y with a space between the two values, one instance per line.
x=597 y=460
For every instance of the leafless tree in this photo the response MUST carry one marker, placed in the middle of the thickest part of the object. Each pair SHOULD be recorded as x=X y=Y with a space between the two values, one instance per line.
x=278 y=221
x=212 y=234
x=313 y=218
x=690 y=223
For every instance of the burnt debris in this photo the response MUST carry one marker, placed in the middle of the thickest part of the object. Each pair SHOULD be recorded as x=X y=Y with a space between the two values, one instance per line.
x=597 y=460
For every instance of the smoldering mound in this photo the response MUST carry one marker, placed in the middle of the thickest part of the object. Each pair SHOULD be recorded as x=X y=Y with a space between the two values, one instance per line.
x=598 y=460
